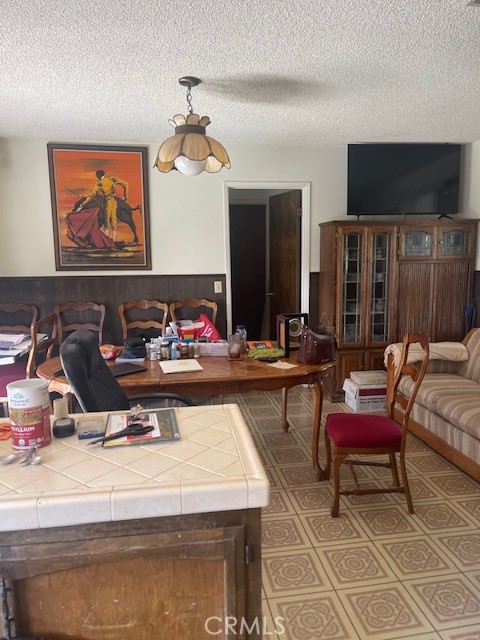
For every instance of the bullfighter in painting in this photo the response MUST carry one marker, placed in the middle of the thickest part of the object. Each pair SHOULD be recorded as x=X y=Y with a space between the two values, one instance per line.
x=106 y=186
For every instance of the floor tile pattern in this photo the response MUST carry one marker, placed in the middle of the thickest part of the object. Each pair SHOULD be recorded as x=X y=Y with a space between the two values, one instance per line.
x=376 y=572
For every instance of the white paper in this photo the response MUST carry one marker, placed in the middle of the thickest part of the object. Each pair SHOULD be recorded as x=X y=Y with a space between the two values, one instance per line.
x=178 y=366
x=23 y=347
x=282 y=365
x=12 y=339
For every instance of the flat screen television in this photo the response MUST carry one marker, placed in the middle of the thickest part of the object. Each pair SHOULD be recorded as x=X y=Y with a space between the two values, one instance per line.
x=403 y=179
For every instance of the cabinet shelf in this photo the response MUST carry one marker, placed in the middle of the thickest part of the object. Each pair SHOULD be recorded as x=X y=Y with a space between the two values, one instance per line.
x=379 y=280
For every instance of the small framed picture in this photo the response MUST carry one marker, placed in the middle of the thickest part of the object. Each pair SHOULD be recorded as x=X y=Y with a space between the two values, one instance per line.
x=100 y=206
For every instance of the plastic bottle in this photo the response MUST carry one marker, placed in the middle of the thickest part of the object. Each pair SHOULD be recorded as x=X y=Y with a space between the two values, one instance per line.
x=173 y=351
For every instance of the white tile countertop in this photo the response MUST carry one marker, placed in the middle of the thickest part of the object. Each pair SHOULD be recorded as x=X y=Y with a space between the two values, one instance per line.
x=213 y=467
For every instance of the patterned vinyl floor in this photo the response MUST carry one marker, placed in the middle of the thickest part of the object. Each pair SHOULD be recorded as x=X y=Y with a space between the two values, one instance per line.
x=375 y=572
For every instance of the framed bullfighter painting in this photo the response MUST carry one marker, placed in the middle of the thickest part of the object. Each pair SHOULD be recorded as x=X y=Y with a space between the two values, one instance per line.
x=100 y=206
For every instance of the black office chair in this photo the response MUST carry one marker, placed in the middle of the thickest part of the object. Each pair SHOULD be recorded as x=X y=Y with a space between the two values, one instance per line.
x=94 y=386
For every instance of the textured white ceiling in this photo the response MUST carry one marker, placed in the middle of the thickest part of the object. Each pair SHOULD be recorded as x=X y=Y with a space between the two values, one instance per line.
x=294 y=72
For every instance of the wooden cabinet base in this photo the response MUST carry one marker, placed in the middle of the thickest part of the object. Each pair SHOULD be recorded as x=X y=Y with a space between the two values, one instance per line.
x=177 y=577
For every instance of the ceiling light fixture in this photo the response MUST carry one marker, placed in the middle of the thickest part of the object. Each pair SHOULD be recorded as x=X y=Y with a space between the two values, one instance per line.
x=190 y=151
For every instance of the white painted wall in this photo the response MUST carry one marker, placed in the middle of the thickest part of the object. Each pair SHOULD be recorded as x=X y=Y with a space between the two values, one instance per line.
x=187 y=214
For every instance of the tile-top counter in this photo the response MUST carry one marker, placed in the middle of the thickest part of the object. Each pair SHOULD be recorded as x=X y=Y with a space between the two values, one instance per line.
x=213 y=467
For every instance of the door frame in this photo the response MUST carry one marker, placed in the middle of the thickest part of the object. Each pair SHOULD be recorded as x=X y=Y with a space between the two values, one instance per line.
x=305 y=257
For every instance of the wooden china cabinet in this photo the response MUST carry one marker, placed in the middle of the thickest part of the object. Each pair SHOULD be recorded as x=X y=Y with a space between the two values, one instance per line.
x=379 y=280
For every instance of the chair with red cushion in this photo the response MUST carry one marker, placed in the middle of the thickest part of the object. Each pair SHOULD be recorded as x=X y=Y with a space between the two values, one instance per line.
x=366 y=434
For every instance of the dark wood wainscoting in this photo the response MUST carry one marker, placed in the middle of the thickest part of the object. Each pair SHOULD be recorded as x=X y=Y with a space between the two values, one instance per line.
x=45 y=293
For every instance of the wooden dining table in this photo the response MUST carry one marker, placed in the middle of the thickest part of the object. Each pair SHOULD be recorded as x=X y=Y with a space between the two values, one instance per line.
x=219 y=376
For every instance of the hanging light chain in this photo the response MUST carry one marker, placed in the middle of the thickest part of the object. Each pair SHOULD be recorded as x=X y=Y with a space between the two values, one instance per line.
x=189 y=100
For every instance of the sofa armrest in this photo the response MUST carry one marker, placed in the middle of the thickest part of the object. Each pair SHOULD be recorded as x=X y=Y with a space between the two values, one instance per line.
x=471 y=367
x=455 y=352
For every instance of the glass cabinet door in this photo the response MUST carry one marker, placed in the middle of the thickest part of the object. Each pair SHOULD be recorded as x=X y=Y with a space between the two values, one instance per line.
x=453 y=242
x=418 y=244
x=351 y=283
x=380 y=282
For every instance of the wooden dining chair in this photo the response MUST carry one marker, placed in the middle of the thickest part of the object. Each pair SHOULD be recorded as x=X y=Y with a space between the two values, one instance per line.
x=129 y=323
x=72 y=316
x=47 y=325
x=189 y=309
x=16 y=318
x=371 y=435
x=185 y=307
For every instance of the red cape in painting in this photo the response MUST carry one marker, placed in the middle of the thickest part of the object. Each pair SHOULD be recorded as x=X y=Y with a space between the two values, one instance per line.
x=84 y=231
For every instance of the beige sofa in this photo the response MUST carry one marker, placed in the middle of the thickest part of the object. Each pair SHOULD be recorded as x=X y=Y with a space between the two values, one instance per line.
x=446 y=412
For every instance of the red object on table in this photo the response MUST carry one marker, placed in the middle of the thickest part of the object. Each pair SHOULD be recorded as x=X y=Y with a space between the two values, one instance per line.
x=5 y=430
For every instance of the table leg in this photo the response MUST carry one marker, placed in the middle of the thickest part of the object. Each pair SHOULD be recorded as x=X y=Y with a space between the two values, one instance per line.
x=285 y=424
x=317 y=393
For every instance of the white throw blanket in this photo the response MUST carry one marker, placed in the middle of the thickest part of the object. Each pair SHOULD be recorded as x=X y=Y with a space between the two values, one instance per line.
x=453 y=351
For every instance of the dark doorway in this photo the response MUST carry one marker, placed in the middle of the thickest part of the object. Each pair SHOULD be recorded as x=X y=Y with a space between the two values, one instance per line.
x=265 y=255
x=248 y=266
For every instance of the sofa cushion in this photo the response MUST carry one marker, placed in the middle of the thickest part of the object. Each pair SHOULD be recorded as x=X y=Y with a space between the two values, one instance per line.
x=440 y=386
x=442 y=366
x=462 y=411
x=471 y=368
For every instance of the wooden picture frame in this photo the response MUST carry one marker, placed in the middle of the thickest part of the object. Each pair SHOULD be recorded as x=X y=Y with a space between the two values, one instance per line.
x=100 y=207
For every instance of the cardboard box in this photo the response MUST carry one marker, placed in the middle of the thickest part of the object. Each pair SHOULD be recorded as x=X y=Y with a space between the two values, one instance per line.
x=363 y=390
x=370 y=404
x=365 y=398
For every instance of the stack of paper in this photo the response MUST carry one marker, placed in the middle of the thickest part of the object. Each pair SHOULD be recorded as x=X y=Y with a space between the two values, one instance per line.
x=10 y=340
x=13 y=345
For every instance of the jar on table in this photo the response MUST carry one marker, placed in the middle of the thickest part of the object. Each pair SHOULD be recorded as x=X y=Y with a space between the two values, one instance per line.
x=235 y=347
x=164 y=351
x=242 y=332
